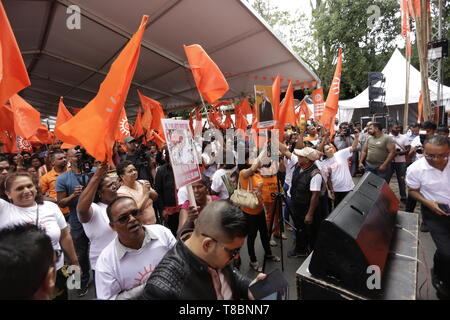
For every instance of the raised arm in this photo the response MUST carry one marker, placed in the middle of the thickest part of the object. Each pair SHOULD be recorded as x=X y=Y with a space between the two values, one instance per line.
x=84 y=209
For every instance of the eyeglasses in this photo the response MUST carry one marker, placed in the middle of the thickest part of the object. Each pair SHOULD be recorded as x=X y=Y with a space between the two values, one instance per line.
x=436 y=156
x=126 y=217
x=4 y=168
x=231 y=252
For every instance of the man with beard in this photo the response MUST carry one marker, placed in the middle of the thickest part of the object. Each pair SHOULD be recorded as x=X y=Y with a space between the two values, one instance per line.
x=125 y=264
x=378 y=152
x=48 y=181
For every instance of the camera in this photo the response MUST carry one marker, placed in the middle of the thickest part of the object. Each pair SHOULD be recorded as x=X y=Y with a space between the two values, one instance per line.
x=85 y=162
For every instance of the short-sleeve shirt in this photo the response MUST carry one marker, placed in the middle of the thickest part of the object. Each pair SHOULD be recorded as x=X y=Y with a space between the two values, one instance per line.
x=50 y=219
x=341 y=177
x=217 y=184
x=377 y=151
x=433 y=183
x=48 y=183
x=120 y=269
x=67 y=183
x=401 y=142
x=98 y=231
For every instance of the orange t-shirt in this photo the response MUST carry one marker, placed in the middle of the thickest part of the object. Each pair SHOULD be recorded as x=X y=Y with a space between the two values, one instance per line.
x=257 y=183
x=48 y=182
x=269 y=187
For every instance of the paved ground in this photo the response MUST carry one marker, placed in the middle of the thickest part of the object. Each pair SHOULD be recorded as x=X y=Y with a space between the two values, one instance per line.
x=292 y=265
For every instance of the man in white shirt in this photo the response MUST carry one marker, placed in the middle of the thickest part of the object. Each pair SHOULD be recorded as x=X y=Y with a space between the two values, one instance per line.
x=125 y=264
x=218 y=188
x=428 y=181
x=402 y=146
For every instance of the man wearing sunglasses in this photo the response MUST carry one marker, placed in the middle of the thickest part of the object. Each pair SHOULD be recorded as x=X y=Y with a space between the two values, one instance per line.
x=125 y=264
x=199 y=267
x=428 y=180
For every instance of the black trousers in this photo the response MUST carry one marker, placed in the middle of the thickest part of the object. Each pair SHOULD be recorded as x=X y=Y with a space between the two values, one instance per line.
x=306 y=235
x=439 y=227
x=257 y=223
x=81 y=243
x=338 y=197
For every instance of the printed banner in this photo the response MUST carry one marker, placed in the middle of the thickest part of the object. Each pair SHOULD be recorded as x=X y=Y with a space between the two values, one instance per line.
x=182 y=151
x=319 y=103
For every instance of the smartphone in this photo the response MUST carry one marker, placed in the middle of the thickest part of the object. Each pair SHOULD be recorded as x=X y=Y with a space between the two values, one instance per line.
x=444 y=207
x=273 y=287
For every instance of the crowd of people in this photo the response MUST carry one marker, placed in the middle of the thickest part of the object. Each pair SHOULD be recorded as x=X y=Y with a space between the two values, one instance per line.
x=136 y=236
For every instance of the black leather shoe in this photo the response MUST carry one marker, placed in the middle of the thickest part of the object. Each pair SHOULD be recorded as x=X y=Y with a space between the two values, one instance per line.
x=424 y=228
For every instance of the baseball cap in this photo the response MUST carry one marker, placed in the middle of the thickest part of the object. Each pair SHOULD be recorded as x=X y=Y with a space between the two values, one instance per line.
x=310 y=153
x=128 y=139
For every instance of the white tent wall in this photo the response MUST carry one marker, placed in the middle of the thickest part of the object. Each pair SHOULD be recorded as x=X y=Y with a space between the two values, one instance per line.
x=395 y=86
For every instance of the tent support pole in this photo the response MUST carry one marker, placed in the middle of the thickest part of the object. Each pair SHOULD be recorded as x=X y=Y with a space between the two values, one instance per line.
x=406 y=110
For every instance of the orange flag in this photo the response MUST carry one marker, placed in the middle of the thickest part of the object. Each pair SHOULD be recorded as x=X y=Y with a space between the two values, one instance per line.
x=7 y=133
x=276 y=96
x=138 y=129
x=63 y=116
x=95 y=126
x=210 y=81
x=26 y=119
x=124 y=127
x=228 y=123
x=156 y=113
x=43 y=135
x=13 y=74
x=245 y=108
x=420 y=109
x=286 y=113
x=332 y=103
x=304 y=110
x=240 y=118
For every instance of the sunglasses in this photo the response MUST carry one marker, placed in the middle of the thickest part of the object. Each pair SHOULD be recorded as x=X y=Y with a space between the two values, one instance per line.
x=231 y=252
x=126 y=217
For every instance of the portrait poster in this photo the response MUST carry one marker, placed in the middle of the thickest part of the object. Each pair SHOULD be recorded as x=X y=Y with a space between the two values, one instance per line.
x=182 y=151
x=264 y=106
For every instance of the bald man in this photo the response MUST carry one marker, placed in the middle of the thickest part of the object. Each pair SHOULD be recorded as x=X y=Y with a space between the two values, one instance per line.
x=199 y=267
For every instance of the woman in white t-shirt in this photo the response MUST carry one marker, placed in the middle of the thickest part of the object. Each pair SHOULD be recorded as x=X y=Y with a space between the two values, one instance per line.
x=91 y=210
x=26 y=206
x=335 y=168
x=139 y=190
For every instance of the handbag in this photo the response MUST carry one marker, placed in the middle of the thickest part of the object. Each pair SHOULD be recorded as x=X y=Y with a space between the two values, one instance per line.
x=245 y=198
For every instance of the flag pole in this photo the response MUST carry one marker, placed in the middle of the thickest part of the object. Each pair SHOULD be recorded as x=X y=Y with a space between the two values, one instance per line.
x=408 y=66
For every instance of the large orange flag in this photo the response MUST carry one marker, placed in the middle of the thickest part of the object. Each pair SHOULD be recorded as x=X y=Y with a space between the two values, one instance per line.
x=13 y=74
x=332 y=103
x=209 y=79
x=276 y=96
x=96 y=125
x=286 y=114
x=7 y=134
x=63 y=116
x=244 y=107
x=26 y=119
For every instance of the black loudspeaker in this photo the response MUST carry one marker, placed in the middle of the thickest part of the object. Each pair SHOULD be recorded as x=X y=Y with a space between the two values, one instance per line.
x=356 y=235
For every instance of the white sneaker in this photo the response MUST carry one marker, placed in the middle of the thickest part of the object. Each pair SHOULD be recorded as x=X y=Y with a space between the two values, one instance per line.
x=273 y=243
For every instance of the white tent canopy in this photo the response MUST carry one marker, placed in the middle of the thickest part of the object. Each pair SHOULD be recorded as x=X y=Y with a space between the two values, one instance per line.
x=73 y=63
x=395 y=74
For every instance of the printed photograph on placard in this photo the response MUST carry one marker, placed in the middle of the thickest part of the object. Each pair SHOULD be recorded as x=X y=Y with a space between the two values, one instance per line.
x=183 y=155
x=264 y=106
